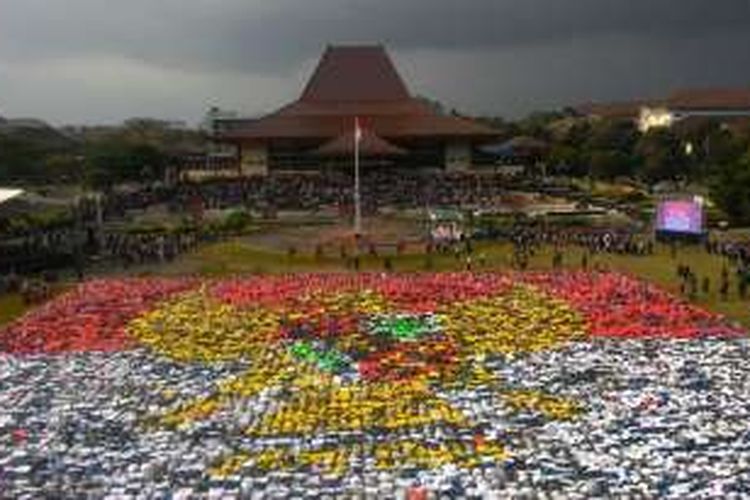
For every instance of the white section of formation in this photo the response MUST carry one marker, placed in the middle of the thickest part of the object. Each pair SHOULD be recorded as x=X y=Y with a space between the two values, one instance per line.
x=661 y=418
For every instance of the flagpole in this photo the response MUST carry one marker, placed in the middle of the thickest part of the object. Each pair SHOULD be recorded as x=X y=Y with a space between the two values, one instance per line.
x=357 y=199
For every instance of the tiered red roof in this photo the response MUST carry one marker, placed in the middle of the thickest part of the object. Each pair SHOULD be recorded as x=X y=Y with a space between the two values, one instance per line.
x=357 y=82
x=370 y=144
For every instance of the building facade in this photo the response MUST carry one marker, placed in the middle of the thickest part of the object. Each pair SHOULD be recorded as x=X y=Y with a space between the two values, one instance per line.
x=317 y=131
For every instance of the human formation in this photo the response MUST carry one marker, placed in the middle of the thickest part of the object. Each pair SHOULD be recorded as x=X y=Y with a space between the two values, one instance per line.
x=309 y=384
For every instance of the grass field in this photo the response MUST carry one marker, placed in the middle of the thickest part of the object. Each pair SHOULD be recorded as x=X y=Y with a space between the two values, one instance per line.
x=234 y=257
x=11 y=306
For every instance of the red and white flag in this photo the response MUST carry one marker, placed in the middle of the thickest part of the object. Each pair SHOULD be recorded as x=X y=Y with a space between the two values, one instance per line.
x=357 y=130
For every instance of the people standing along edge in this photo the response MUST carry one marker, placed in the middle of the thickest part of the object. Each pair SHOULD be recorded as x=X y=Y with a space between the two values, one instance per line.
x=724 y=285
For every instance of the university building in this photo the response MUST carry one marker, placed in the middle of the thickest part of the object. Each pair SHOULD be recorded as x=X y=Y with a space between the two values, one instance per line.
x=316 y=132
x=725 y=105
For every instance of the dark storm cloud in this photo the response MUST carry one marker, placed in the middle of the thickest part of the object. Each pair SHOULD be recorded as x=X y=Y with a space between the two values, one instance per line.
x=271 y=34
x=471 y=52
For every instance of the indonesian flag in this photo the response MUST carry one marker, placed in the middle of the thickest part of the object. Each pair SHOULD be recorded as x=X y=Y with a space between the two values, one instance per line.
x=357 y=130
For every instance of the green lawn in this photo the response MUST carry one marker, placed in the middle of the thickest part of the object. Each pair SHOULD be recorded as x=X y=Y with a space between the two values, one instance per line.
x=11 y=306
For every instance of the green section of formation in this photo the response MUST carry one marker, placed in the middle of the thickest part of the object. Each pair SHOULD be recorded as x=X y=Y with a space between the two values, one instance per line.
x=328 y=360
x=403 y=327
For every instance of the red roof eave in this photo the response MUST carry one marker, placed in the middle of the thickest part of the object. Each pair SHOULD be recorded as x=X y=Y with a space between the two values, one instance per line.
x=283 y=127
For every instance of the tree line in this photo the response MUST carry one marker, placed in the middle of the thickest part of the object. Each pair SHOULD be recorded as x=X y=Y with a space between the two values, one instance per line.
x=698 y=151
x=140 y=149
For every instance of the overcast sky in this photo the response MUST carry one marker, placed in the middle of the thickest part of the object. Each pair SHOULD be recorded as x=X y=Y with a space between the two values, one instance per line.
x=102 y=61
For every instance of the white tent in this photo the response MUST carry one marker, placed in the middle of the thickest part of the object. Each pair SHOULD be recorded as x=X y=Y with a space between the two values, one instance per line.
x=8 y=194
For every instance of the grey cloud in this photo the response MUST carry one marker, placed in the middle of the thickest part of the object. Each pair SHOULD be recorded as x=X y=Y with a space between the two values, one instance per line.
x=486 y=56
x=270 y=35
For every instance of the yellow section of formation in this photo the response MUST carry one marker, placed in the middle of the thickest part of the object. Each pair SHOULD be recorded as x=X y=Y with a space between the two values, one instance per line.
x=362 y=301
x=388 y=456
x=196 y=328
x=339 y=408
x=520 y=321
x=535 y=401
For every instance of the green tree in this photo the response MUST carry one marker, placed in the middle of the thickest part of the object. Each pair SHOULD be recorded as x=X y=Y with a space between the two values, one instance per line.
x=730 y=189
x=611 y=134
x=112 y=160
x=710 y=144
x=537 y=124
x=20 y=160
x=65 y=167
x=662 y=156
x=610 y=163
x=566 y=159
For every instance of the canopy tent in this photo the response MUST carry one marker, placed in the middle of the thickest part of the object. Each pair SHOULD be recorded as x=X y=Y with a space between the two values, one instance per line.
x=7 y=194
x=19 y=201
x=518 y=146
x=445 y=224
x=445 y=214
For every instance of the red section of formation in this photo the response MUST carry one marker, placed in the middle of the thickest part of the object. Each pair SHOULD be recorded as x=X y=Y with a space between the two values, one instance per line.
x=427 y=292
x=90 y=318
x=406 y=292
x=274 y=291
x=403 y=361
x=619 y=306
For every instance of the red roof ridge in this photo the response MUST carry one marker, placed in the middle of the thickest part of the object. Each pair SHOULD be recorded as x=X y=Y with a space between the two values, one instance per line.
x=355 y=73
x=710 y=97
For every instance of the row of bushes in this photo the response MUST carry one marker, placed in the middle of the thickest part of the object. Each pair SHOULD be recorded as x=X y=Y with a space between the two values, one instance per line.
x=21 y=224
x=235 y=222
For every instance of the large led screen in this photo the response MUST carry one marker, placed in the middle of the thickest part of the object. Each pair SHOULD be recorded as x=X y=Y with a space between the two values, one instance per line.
x=680 y=216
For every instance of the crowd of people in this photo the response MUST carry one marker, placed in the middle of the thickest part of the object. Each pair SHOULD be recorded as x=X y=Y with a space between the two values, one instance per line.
x=142 y=248
x=39 y=250
x=736 y=251
x=71 y=245
x=733 y=278
x=594 y=240
x=52 y=250
x=300 y=366
x=314 y=191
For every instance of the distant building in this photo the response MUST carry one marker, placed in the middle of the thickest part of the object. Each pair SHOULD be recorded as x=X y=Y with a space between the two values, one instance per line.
x=721 y=104
x=216 y=123
x=724 y=104
x=624 y=110
x=216 y=118
x=317 y=130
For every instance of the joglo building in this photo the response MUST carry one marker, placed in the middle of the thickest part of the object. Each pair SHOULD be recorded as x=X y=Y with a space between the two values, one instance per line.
x=317 y=131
